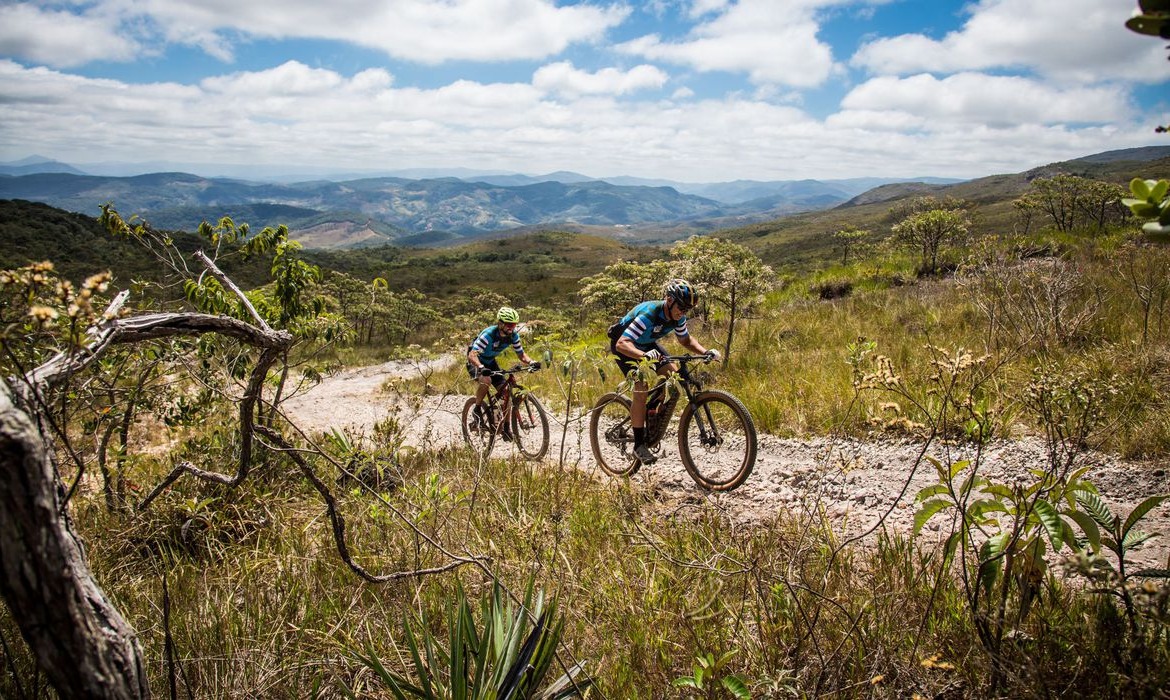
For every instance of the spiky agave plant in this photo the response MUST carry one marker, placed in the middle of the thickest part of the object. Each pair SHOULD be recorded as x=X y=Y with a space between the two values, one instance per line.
x=505 y=660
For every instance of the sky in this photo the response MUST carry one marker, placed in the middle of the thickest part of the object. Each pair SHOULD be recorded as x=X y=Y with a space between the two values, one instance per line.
x=684 y=90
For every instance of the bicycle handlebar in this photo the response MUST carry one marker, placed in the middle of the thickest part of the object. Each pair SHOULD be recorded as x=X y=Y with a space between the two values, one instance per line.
x=511 y=370
x=687 y=358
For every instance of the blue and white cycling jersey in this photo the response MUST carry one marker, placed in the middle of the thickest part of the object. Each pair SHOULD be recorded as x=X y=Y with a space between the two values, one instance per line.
x=491 y=342
x=647 y=322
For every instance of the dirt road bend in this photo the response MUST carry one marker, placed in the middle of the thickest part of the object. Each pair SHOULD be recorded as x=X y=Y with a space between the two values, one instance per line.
x=856 y=481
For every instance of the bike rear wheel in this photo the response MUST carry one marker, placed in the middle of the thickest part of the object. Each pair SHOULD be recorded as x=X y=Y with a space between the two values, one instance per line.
x=530 y=427
x=612 y=436
x=717 y=440
x=479 y=437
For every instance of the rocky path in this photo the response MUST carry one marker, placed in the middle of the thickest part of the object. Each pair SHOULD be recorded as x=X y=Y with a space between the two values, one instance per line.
x=856 y=482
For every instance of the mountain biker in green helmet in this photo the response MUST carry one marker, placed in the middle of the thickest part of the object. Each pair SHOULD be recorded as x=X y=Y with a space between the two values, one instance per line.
x=482 y=353
x=635 y=338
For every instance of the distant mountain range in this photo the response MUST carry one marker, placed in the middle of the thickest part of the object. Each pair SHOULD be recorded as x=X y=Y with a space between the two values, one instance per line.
x=432 y=211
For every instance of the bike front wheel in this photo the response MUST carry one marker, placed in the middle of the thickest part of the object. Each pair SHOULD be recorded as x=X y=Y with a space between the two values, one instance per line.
x=530 y=427
x=612 y=436
x=717 y=440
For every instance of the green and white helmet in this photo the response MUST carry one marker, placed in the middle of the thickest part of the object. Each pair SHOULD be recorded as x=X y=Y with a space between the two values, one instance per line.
x=507 y=314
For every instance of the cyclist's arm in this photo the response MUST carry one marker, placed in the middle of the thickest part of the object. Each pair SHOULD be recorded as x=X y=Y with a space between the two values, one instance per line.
x=626 y=347
x=627 y=343
x=473 y=358
x=519 y=348
x=690 y=343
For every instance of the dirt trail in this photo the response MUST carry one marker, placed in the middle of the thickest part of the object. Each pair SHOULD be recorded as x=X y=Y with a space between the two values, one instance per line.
x=856 y=481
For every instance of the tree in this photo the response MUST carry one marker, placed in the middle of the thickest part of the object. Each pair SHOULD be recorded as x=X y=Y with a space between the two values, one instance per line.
x=905 y=208
x=727 y=274
x=51 y=341
x=929 y=231
x=86 y=647
x=849 y=238
x=624 y=284
x=1070 y=201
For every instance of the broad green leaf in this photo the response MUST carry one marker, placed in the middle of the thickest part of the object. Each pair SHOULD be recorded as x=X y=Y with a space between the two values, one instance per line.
x=1088 y=526
x=686 y=682
x=1158 y=193
x=958 y=467
x=1144 y=209
x=938 y=467
x=1096 y=507
x=1052 y=523
x=927 y=511
x=951 y=545
x=1140 y=512
x=971 y=482
x=979 y=509
x=989 y=575
x=1000 y=490
x=994 y=547
x=736 y=686
x=929 y=491
x=1140 y=187
x=1136 y=538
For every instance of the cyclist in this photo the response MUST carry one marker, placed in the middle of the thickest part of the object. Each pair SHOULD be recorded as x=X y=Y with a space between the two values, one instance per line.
x=635 y=338
x=481 y=355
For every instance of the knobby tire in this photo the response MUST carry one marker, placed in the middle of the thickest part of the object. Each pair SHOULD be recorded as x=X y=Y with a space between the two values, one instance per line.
x=737 y=431
x=530 y=427
x=614 y=454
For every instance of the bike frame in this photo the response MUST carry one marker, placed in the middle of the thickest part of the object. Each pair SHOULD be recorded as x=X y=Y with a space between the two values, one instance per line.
x=503 y=396
x=691 y=386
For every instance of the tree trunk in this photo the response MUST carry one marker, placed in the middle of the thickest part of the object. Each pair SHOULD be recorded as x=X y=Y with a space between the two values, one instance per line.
x=79 y=638
x=730 y=327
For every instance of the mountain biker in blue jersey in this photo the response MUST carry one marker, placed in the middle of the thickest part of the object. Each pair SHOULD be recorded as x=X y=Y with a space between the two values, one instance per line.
x=640 y=330
x=481 y=354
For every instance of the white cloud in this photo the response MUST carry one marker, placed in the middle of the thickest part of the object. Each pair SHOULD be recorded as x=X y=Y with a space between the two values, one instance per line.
x=769 y=41
x=562 y=77
x=63 y=39
x=996 y=101
x=423 y=31
x=294 y=116
x=1081 y=40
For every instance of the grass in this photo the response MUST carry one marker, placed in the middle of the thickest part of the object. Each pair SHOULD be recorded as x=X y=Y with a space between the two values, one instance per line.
x=261 y=604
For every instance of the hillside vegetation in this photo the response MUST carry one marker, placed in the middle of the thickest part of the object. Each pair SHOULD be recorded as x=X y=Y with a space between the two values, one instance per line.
x=969 y=316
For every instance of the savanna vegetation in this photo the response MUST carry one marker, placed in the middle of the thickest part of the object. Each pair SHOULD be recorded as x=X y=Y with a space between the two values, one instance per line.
x=209 y=548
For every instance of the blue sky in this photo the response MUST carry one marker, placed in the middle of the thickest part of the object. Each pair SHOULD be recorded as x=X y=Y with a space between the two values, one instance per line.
x=687 y=90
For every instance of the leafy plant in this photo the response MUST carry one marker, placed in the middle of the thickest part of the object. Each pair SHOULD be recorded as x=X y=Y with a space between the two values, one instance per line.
x=1150 y=202
x=504 y=659
x=708 y=675
x=1103 y=528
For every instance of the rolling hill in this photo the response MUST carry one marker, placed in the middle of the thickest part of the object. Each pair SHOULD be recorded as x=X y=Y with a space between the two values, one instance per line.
x=450 y=211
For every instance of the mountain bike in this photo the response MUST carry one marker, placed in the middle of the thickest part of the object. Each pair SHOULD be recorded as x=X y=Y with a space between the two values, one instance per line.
x=510 y=413
x=716 y=434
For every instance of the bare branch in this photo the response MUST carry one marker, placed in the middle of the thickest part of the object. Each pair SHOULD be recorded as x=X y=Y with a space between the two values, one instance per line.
x=226 y=282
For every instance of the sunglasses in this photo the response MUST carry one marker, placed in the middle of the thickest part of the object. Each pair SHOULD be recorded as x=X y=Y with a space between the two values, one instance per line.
x=681 y=306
